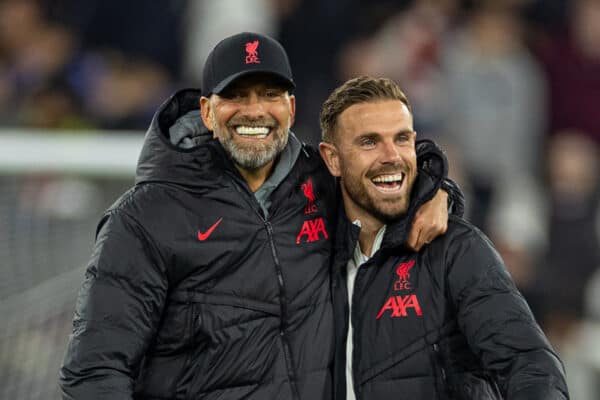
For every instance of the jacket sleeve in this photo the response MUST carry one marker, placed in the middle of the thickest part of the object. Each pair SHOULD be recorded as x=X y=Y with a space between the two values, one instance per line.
x=498 y=324
x=432 y=161
x=117 y=312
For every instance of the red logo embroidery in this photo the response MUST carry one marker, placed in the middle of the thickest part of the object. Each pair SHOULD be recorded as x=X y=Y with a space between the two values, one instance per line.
x=309 y=193
x=203 y=236
x=251 y=49
x=311 y=229
x=399 y=306
x=403 y=272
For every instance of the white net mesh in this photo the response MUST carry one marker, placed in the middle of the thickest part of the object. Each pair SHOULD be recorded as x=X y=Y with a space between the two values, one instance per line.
x=47 y=227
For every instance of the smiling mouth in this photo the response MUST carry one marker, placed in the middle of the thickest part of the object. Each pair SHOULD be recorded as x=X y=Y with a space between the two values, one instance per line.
x=389 y=183
x=256 y=132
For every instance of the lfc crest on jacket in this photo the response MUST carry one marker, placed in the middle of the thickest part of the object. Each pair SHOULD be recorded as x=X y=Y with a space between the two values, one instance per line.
x=400 y=304
x=312 y=229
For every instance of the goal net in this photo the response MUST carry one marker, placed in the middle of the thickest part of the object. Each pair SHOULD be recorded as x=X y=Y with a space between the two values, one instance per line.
x=54 y=186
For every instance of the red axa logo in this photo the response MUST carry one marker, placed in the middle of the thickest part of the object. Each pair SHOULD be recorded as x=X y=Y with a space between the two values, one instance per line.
x=311 y=229
x=252 y=50
x=399 y=305
x=403 y=272
x=307 y=189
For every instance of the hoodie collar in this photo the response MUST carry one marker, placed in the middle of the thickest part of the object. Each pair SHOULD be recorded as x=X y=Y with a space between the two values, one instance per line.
x=283 y=166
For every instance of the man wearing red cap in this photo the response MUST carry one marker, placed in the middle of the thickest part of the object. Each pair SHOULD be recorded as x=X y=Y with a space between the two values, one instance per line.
x=210 y=277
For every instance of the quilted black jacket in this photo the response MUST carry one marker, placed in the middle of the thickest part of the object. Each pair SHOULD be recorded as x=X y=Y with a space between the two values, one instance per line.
x=192 y=293
x=444 y=323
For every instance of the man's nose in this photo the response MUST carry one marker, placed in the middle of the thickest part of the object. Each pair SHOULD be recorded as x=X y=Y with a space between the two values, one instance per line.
x=254 y=104
x=390 y=153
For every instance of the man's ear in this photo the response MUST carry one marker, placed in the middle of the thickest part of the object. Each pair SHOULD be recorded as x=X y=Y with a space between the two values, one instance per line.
x=205 y=112
x=292 y=109
x=330 y=155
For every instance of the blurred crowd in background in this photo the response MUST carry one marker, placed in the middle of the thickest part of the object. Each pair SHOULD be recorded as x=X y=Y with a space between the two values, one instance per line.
x=509 y=88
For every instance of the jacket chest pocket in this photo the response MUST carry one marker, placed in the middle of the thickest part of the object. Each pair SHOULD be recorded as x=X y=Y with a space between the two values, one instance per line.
x=175 y=330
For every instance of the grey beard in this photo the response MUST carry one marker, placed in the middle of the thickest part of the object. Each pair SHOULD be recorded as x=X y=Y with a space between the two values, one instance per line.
x=253 y=158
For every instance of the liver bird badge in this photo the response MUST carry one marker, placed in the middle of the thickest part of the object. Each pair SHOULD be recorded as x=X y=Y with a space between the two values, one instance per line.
x=252 y=53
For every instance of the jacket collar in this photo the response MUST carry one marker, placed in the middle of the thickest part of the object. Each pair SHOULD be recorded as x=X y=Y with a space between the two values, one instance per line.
x=346 y=236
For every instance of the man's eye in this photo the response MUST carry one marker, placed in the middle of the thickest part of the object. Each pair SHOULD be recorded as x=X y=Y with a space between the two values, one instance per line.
x=404 y=138
x=231 y=94
x=272 y=93
x=367 y=142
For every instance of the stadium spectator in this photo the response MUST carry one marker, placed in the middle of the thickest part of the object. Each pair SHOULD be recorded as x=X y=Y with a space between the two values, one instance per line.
x=572 y=66
x=572 y=254
x=498 y=130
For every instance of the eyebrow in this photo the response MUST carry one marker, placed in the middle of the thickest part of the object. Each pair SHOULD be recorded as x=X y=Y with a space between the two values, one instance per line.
x=375 y=135
x=368 y=135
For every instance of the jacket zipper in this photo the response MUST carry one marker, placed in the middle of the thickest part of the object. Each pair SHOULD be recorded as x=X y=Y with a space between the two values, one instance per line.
x=355 y=333
x=346 y=326
x=284 y=314
x=349 y=311
x=253 y=203
x=442 y=372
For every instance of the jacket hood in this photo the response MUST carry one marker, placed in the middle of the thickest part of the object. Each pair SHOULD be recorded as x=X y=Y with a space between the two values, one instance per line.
x=177 y=147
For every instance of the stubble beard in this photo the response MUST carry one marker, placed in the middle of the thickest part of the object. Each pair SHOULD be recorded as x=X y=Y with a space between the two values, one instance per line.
x=386 y=210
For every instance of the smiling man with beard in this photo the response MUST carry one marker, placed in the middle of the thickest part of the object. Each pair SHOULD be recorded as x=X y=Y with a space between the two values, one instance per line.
x=445 y=322
x=210 y=277
x=254 y=138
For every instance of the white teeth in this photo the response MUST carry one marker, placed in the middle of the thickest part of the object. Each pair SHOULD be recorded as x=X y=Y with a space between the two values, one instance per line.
x=388 y=178
x=258 y=131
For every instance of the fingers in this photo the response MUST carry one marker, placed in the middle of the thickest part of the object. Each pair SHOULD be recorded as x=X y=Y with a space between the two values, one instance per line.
x=418 y=236
x=431 y=220
x=413 y=242
x=425 y=229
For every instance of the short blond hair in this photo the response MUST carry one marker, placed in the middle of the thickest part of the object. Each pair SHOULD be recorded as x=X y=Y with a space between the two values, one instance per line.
x=354 y=91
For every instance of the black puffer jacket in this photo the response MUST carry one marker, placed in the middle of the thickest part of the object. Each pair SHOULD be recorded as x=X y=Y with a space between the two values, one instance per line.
x=444 y=323
x=192 y=293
